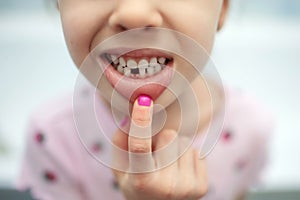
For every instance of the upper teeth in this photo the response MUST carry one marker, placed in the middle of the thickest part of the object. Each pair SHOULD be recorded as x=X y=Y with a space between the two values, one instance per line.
x=137 y=68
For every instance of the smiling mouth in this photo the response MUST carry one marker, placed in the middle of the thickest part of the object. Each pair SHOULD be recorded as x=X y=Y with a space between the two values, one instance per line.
x=137 y=68
x=137 y=72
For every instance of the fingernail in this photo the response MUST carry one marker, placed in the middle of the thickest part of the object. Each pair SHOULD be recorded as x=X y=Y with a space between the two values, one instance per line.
x=144 y=100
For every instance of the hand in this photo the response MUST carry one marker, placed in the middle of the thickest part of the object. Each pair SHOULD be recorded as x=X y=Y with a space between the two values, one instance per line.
x=183 y=179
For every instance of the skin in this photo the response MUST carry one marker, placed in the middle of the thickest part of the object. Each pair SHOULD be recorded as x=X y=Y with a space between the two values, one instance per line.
x=86 y=23
x=183 y=179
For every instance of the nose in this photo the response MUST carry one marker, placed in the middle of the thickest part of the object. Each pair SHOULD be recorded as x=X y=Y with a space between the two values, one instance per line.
x=130 y=14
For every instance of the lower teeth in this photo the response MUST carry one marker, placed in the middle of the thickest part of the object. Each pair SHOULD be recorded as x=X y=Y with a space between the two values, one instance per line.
x=139 y=72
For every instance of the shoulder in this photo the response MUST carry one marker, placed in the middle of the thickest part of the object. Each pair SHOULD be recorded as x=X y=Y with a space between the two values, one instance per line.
x=248 y=115
x=53 y=111
x=62 y=113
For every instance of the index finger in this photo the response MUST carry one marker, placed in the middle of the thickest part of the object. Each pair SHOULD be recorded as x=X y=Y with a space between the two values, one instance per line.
x=140 y=133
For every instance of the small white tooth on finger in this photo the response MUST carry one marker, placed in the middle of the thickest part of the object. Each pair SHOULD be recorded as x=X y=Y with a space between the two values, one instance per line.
x=127 y=71
x=153 y=62
x=120 y=68
x=150 y=71
x=143 y=64
x=142 y=72
x=131 y=64
x=122 y=61
x=162 y=60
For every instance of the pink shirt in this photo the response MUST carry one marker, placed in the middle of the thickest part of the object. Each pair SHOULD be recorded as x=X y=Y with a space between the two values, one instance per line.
x=57 y=166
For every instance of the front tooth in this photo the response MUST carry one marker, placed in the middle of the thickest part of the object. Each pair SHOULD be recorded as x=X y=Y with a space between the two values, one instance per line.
x=122 y=61
x=114 y=59
x=120 y=68
x=153 y=62
x=150 y=70
x=131 y=64
x=127 y=71
x=142 y=72
x=162 y=60
x=143 y=64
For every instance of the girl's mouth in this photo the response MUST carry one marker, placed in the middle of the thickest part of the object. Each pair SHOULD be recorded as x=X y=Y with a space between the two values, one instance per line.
x=137 y=68
x=137 y=72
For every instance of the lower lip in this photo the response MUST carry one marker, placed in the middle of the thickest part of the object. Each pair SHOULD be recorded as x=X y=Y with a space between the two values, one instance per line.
x=132 y=88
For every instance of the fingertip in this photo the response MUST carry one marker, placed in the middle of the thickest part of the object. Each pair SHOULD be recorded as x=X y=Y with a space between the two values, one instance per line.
x=140 y=133
x=142 y=111
x=144 y=100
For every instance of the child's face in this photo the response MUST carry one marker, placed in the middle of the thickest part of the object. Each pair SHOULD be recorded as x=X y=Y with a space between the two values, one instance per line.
x=87 y=23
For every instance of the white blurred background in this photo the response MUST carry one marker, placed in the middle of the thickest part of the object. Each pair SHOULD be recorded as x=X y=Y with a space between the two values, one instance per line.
x=257 y=51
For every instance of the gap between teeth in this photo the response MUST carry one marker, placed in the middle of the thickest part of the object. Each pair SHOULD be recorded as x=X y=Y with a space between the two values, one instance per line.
x=137 y=69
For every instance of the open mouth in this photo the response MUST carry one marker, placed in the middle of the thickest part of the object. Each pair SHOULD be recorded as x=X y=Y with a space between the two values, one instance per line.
x=137 y=72
x=137 y=67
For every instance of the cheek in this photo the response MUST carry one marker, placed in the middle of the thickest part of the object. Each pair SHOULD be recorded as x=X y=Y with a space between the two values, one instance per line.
x=203 y=31
x=80 y=26
x=77 y=41
x=199 y=21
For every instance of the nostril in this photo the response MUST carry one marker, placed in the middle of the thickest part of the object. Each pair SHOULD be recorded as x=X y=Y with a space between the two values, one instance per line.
x=148 y=27
x=122 y=28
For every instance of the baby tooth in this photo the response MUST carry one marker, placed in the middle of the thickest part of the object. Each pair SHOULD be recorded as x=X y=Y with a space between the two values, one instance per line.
x=162 y=60
x=153 y=61
x=150 y=70
x=143 y=64
x=114 y=59
x=122 y=62
x=120 y=69
x=142 y=72
x=127 y=71
x=131 y=64
x=157 y=68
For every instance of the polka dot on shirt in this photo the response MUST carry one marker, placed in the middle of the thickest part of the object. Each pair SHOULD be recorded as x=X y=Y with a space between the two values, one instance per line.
x=240 y=165
x=50 y=176
x=97 y=147
x=115 y=185
x=227 y=136
x=39 y=137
